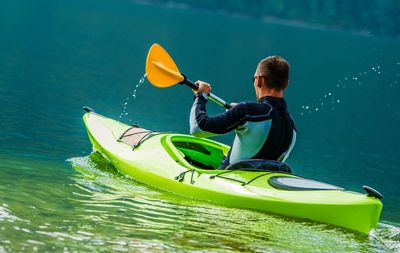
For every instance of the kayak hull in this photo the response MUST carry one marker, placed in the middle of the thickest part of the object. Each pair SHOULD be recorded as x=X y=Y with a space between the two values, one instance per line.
x=162 y=163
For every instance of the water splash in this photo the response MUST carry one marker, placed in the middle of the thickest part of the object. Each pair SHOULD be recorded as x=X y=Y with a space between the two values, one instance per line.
x=387 y=235
x=129 y=100
x=330 y=99
x=327 y=100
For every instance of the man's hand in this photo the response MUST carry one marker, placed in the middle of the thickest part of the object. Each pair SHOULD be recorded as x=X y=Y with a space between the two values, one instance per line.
x=203 y=88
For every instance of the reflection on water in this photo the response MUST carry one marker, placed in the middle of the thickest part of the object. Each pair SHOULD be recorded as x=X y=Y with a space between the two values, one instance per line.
x=96 y=206
x=190 y=223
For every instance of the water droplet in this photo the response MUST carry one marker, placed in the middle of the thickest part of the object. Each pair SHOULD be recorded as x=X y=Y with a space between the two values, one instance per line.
x=316 y=109
x=355 y=78
x=379 y=67
x=345 y=78
x=307 y=107
x=329 y=94
x=379 y=72
x=338 y=100
x=125 y=105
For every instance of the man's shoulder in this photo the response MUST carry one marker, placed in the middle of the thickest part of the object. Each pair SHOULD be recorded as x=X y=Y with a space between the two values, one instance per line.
x=255 y=104
x=254 y=108
x=250 y=103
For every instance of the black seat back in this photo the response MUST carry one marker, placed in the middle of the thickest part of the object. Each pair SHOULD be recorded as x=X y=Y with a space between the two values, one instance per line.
x=260 y=165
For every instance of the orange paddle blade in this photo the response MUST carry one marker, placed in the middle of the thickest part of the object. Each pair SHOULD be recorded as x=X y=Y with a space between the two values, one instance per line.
x=161 y=70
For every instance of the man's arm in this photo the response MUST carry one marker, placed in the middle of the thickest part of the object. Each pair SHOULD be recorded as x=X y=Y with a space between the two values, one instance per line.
x=202 y=125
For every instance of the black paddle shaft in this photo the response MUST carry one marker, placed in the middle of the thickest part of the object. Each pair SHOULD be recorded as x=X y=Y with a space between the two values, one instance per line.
x=212 y=97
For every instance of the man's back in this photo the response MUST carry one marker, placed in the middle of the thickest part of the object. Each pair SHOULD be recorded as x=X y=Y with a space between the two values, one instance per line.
x=264 y=130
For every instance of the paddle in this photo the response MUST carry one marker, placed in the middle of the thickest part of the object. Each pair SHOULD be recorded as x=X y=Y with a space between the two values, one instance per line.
x=162 y=72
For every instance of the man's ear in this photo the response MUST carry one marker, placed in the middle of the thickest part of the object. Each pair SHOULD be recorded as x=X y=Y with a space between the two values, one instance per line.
x=259 y=82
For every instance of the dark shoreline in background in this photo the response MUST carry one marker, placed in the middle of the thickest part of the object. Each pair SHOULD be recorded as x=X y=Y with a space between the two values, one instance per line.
x=382 y=23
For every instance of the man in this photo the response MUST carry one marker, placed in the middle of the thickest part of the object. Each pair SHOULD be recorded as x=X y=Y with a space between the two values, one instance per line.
x=264 y=129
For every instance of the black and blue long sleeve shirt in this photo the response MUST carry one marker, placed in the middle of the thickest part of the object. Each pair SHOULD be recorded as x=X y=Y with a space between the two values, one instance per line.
x=264 y=129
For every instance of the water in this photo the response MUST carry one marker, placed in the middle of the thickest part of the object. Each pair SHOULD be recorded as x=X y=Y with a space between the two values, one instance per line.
x=129 y=100
x=331 y=99
x=57 y=57
x=97 y=207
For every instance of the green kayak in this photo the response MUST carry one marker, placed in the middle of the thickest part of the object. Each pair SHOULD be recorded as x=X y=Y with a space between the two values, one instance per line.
x=188 y=166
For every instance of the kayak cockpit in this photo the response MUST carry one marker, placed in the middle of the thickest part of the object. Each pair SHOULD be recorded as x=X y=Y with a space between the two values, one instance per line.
x=193 y=152
x=204 y=154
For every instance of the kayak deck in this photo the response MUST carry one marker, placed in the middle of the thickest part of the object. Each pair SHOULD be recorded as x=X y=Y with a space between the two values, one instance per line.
x=187 y=166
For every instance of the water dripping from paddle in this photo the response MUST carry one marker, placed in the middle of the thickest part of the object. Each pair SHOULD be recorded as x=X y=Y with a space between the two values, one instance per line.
x=130 y=99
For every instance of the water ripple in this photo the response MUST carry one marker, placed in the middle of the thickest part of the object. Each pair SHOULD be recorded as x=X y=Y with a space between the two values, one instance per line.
x=97 y=207
x=137 y=211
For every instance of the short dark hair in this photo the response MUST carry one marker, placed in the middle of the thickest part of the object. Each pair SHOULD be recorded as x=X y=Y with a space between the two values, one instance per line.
x=275 y=71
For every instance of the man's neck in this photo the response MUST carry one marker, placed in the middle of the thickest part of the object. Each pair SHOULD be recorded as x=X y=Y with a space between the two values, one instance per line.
x=270 y=92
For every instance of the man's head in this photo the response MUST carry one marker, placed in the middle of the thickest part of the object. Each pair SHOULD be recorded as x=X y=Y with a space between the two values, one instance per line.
x=272 y=73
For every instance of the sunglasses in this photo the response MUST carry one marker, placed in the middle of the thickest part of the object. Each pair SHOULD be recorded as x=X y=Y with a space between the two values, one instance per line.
x=254 y=78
